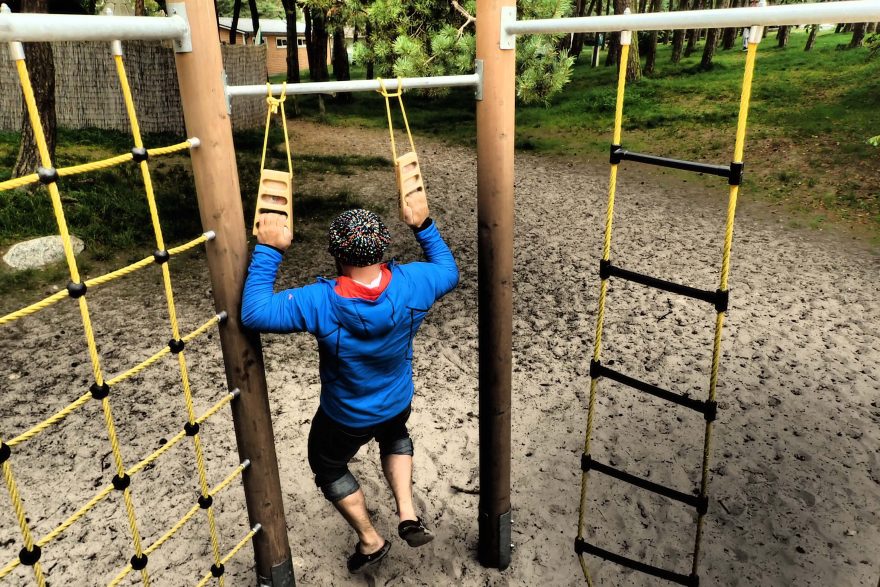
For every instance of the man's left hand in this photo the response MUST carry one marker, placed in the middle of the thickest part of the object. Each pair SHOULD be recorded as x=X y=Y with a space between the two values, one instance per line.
x=272 y=230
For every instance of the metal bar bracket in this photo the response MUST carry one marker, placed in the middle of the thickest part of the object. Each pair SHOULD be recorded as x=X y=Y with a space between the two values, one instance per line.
x=478 y=69
x=183 y=44
x=508 y=16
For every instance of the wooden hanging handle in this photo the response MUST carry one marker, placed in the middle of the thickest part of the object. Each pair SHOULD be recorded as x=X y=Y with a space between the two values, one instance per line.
x=411 y=188
x=275 y=195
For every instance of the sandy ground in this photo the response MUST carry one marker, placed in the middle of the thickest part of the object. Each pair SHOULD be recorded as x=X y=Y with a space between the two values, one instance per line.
x=795 y=481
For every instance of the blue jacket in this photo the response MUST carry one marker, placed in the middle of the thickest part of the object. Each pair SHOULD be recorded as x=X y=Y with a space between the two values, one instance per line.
x=365 y=347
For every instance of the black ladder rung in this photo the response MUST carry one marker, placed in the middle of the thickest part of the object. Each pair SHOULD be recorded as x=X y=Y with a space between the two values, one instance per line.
x=709 y=409
x=695 y=501
x=718 y=298
x=581 y=546
x=732 y=172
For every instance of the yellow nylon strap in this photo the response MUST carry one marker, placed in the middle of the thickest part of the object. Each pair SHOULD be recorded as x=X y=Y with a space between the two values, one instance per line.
x=603 y=291
x=399 y=95
x=276 y=105
x=738 y=151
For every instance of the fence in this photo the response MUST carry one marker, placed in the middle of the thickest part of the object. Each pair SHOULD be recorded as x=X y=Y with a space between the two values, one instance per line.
x=87 y=91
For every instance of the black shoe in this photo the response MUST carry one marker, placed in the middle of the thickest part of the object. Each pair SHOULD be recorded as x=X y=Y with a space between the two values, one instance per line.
x=358 y=562
x=414 y=532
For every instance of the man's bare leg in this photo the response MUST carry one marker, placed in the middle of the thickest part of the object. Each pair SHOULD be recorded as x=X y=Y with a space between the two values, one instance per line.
x=398 y=472
x=354 y=509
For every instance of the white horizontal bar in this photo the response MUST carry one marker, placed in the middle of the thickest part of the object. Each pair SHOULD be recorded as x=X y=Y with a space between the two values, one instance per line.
x=26 y=27
x=365 y=85
x=789 y=14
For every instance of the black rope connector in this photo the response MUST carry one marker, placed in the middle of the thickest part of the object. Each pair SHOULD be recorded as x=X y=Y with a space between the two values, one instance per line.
x=604 y=269
x=30 y=557
x=205 y=501
x=47 y=175
x=595 y=369
x=100 y=391
x=693 y=580
x=217 y=570
x=722 y=298
x=139 y=563
x=736 y=173
x=702 y=505
x=5 y=452
x=586 y=462
x=191 y=428
x=616 y=154
x=121 y=483
x=139 y=154
x=711 y=411
x=176 y=345
x=161 y=257
x=76 y=290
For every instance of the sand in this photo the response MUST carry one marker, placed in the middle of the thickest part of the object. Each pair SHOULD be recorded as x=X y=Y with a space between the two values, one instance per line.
x=795 y=477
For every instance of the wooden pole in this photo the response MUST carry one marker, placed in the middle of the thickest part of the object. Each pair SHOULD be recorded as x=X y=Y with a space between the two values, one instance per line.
x=202 y=95
x=495 y=217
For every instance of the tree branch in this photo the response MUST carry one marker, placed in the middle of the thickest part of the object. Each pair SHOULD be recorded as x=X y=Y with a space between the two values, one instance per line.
x=466 y=14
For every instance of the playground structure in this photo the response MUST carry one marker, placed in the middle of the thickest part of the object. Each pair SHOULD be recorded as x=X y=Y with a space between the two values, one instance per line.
x=203 y=97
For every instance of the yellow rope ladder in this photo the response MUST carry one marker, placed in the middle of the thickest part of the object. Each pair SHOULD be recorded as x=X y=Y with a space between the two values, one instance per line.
x=31 y=552
x=719 y=298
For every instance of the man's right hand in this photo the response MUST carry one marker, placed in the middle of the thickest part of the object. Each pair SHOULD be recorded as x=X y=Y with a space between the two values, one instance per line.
x=415 y=208
x=272 y=230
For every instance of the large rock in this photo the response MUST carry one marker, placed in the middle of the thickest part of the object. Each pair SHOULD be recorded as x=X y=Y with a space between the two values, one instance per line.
x=39 y=252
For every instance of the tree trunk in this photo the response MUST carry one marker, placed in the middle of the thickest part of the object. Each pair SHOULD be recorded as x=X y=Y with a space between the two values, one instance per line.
x=782 y=36
x=613 y=54
x=320 y=38
x=41 y=69
x=341 y=70
x=255 y=19
x=693 y=35
x=711 y=42
x=651 y=58
x=577 y=40
x=633 y=66
x=368 y=35
x=678 y=35
x=871 y=28
x=139 y=9
x=858 y=35
x=838 y=29
x=811 y=38
x=292 y=46
x=233 y=30
x=728 y=37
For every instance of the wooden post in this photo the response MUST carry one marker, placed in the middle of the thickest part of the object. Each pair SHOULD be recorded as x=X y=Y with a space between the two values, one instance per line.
x=202 y=94
x=495 y=216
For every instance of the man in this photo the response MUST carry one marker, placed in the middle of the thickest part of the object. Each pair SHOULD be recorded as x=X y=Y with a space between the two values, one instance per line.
x=365 y=321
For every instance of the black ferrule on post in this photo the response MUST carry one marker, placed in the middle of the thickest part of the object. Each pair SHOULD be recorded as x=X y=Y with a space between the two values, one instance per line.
x=191 y=428
x=139 y=154
x=722 y=298
x=604 y=269
x=616 y=154
x=47 y=175
x=736 y=173
x=161 y=257
x=30 y=557
x=121 y=482
x=99 y=392
x=76 y=290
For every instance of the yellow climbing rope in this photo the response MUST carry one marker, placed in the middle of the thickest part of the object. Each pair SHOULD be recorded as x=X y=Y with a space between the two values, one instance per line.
x=719 y=322
x=31 y=553
x=276 y=106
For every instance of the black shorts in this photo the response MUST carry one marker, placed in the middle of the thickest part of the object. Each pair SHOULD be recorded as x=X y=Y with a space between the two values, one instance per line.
x=332 y=446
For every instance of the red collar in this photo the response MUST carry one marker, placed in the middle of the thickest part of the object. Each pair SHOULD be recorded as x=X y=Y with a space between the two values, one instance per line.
x=349 y=288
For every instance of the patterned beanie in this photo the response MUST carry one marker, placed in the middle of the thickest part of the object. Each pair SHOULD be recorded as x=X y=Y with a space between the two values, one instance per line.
x=358 y=237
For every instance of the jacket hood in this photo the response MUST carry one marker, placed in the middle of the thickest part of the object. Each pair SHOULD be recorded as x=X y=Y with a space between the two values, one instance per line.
x=364 y=318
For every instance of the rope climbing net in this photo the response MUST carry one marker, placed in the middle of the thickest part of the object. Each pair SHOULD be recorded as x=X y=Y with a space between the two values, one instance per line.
x=718 y=298
x=100 y=390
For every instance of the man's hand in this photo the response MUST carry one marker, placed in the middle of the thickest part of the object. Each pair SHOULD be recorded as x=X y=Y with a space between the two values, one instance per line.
x=272 y=230
x=415 y=208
